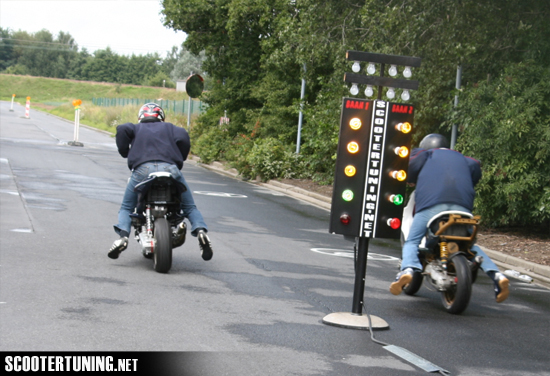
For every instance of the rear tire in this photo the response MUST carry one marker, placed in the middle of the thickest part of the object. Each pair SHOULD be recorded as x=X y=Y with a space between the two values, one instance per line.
x=162 y=255
x=413 y=287
x=456 y=299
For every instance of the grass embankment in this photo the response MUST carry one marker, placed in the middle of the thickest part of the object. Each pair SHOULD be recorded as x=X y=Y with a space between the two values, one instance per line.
x=56 y=96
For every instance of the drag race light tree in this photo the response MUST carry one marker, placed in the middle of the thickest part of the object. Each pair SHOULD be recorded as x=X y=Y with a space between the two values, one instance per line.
x=371 y=168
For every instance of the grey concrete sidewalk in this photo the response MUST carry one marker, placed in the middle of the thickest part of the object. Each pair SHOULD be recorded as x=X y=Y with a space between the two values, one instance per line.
x=539 y=273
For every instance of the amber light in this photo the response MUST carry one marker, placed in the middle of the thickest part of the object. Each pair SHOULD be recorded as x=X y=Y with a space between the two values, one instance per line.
x=399 y=175
x=402 y=151
x=353 y=147
x=355 y=123
x=405 y=127
x=350 y=170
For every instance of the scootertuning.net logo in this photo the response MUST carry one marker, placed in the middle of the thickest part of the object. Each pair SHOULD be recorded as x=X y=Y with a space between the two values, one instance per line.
x=73 y=363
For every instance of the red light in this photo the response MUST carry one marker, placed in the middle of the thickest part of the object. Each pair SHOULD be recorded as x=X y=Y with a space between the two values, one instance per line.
x=345 y=219
x=394 y=223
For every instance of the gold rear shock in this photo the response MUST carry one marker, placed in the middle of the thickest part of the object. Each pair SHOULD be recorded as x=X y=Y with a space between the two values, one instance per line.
x=444 y=254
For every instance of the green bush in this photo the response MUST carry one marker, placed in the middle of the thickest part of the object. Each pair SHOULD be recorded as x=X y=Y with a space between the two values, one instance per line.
x=506 y=127
x=160 y=79
x=269 y=158
x=208 y=138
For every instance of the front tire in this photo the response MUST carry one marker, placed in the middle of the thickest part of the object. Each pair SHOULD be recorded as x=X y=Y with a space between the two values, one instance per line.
x=457 y=297
x=162 y=255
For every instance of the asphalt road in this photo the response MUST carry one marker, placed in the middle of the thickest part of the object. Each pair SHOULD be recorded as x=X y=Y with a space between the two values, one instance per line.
x=254 y=309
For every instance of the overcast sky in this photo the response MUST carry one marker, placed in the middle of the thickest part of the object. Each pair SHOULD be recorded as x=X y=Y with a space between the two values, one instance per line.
x=127 y=26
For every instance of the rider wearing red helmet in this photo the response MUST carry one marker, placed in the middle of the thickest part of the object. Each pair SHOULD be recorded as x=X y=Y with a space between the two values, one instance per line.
x=155 y=145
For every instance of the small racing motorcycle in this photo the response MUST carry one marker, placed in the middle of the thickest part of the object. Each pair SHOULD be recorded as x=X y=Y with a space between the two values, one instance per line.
x=448 y=263
x=157 y=221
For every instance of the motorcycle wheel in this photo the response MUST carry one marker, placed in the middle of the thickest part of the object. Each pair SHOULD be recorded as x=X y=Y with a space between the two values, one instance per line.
x=162 y=255
x=413 y=287
x=456 y=299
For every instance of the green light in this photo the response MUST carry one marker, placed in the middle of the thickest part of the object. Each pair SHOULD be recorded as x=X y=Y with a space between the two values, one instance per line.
x=396 y=199
x=347 y=195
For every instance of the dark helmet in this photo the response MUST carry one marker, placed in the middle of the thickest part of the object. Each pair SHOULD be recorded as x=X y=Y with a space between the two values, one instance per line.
x=434 y=141
x=151 y=110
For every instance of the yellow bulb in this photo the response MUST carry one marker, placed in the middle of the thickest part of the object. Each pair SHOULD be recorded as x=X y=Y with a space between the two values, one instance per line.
x=402 y=151
x=405 y=127
x=399 y=175
x=355 y=123
x=353 y=147
x=350 y=170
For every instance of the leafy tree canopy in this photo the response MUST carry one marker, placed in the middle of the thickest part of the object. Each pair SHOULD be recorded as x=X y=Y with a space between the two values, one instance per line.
x=256 y=52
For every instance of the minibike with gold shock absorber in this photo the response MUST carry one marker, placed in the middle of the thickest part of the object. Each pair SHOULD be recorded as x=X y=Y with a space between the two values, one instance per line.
x=448 y=264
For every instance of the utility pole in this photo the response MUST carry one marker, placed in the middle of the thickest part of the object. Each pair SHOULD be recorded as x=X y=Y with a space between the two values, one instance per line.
x=455 y=126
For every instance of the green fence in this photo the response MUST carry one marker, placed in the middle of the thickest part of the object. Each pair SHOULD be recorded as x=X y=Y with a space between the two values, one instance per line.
x=176 y=107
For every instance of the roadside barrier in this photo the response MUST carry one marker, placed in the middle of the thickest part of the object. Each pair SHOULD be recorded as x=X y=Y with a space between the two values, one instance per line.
x=28 y=108
x=76 y=104
x=178 y=107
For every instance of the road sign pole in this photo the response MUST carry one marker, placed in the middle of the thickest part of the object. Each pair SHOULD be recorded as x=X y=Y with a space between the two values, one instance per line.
x=189 y=113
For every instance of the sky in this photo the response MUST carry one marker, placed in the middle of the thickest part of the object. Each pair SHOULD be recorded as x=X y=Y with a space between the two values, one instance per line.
x=127 y=26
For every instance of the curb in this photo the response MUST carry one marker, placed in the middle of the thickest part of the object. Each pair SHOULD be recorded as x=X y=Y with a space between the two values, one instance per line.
x=539 y=273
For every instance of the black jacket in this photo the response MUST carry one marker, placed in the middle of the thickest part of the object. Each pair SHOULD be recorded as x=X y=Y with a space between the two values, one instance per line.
x=443 y=176
x=152 y=141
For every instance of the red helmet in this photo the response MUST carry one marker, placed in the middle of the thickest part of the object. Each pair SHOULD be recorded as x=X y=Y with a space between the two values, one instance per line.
x=151 y=110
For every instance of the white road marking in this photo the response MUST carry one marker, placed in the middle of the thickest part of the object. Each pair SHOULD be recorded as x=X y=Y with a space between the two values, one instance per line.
x=219 y=194
x=350 y=254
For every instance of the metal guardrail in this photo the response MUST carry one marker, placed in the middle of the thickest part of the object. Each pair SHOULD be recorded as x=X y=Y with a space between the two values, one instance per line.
x=177 y=107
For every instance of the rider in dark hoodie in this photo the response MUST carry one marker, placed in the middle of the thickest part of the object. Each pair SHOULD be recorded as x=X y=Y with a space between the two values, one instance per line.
x=445 y=180
x=153 y=145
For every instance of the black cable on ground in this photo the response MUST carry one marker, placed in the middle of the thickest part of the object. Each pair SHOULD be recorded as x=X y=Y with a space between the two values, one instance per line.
x=440 y=371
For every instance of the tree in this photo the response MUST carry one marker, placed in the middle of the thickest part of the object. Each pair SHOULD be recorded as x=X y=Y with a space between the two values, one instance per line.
x=7 y=55
x=170 y=61
x=39 y=54
x=186 y=64
x=44 y=55
x=506 y=125
x=255 y=52
x=106 y=66
x=160 y=79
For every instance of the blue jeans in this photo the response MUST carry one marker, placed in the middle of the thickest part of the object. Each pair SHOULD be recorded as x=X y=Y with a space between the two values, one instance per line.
x=129 y=201
x=418 y=230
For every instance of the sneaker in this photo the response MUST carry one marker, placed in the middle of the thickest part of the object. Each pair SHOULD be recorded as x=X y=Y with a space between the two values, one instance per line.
x=403 y=278
x=205 y=245
x=501 y=287
x=118 y=246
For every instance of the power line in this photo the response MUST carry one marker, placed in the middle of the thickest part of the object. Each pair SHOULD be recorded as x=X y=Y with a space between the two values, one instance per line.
x=69 y=47
x=36 y=41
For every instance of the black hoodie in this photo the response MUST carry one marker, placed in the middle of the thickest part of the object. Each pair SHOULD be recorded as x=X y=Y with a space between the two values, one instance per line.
x=152 y=140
